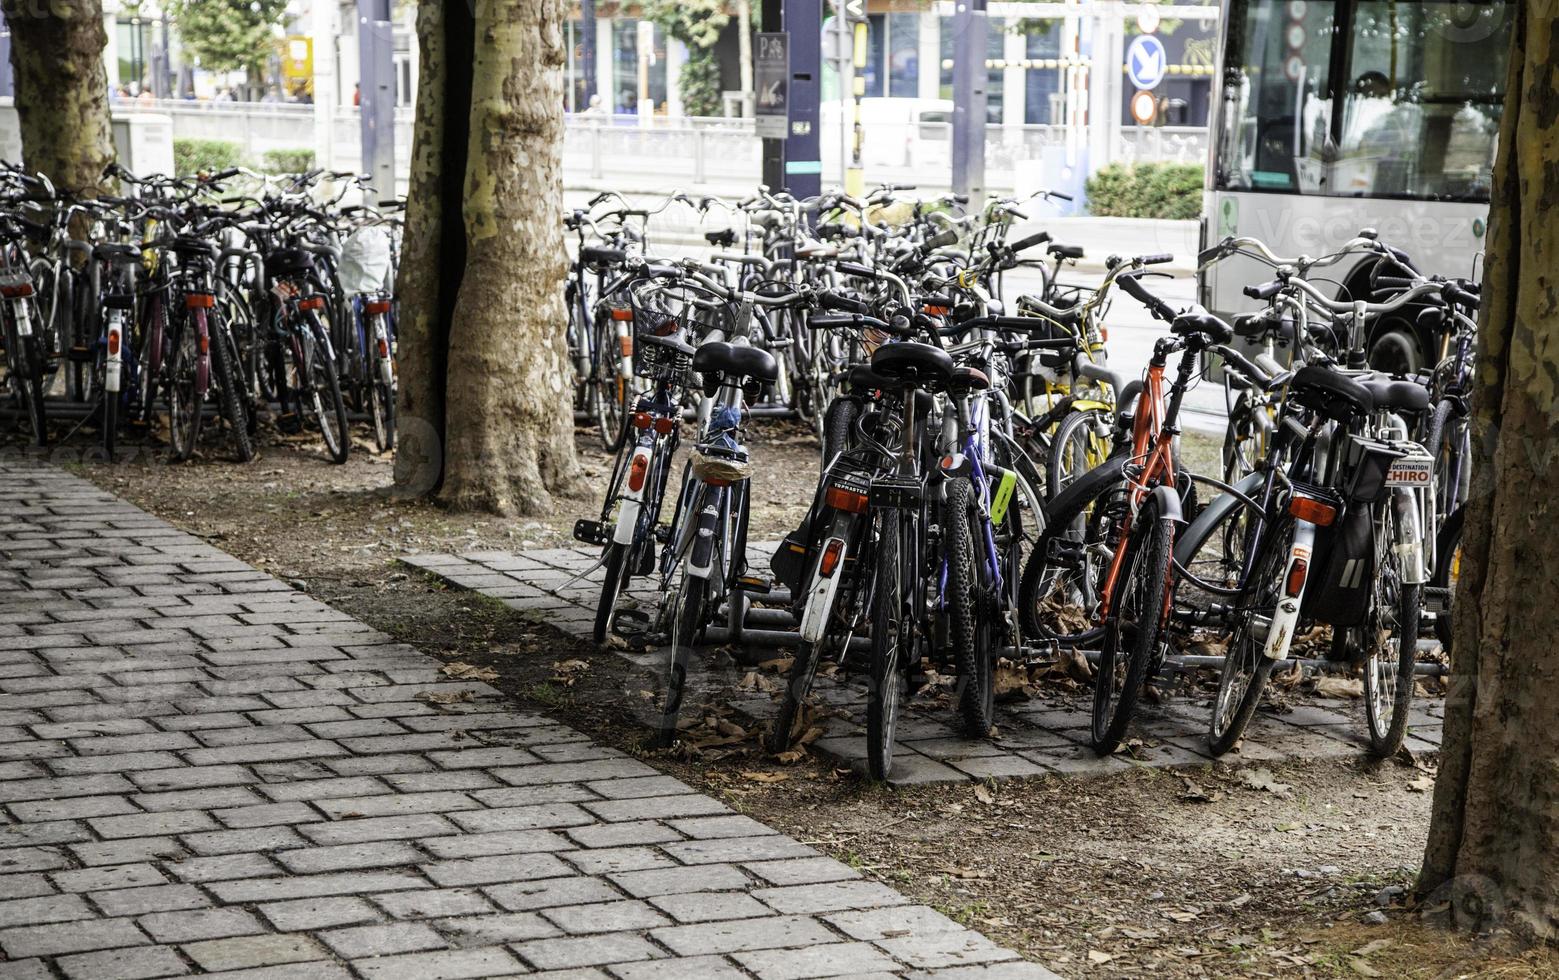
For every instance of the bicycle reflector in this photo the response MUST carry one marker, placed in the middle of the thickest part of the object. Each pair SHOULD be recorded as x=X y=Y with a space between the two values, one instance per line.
x=829 y=563
x=199 y=301
x=113 y=343
x=932 y=310
x=627 y=344
x=1295 y=583
x=637 y=470
x=848 y=500
x=621 y=313
x=1317 y=512
x=16 y=290
x=311 y=303
x=375 y=307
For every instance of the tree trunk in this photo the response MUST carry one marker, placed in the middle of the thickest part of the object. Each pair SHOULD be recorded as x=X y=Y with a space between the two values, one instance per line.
x=61 y=90
x=1493 y=849
x=509 y=416
x=422 y=334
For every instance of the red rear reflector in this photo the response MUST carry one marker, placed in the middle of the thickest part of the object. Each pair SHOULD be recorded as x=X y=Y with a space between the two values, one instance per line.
x=664 y=425
x=1296 y=578
x=849 y=501
x=377 y=306
x=936 y=310
x=199 y=301
x=832 y=552
x=642 y=420
x=113 y=343
x=16 y=290
x=205 y=345
x=384 y=348
x=627 y=345
x=311 y=303
x=637 y=470
x=618 y=313
x=1317 y=512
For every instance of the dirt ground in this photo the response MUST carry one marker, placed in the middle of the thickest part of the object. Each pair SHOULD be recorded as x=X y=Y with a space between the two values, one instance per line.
x=1295 y=870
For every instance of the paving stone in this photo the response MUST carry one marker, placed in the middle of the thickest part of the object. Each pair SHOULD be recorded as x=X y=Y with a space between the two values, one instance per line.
x=668 y=881
x=381 y=940
x=187 y=926
x=891 y=922
x=710 y=906
x=605 y=860
x=565 y=953
x=102 y=879
x=158 y=898
x=42 y=909
x=943 y=949
x=777 y=932
x=134 y=963
x=343 y=857
x=801 y=871
x=433 y=903
x=497 y=842
x=378 y=829
x=550 y=893
x=622 y=834
x=829 y=897
x=342 y=883
x=723 y=849
x=1008 y=970
x=621 y=916
x=300 y=914
x=454 y=964
x=61 y=938
x=488 y=930
x=223 y=867
x=242 y=952
x=833 y=960
x=681 y=968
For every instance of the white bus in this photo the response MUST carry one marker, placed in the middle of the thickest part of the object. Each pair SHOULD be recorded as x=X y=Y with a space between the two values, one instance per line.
x=1338 y=116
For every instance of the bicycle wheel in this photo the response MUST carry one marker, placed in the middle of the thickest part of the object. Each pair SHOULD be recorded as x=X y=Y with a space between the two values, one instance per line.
x=687 y=621
x=1448 y=567
x=1390 y=642
x=966 y=608
x=892 y=642
x=325 y=397
x=1246 y=667
x=839 y=427
x=109 y=417
x=1244 y=440
x=612 y=588
x=1131 y=630
x=224 y=365
x=1076 y=448
x=803 y=669
x=186 y=397
x=609 y=390
x=23 y=357
x=1059 y=591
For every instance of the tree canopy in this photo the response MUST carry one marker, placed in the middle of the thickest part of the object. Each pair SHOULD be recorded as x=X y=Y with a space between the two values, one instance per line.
x=228 y=35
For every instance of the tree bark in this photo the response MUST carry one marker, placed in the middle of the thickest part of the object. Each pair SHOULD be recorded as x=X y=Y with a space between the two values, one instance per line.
x=1493 y=849
x=508 y=411
x=61 y=90
x=422 y=335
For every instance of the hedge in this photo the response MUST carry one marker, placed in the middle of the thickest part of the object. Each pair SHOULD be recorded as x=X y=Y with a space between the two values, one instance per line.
x=1147 y=190
x=287 y=161
x=204 y=156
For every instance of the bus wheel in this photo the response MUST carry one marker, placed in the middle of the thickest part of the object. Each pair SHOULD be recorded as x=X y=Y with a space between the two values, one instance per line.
x=1396 y=352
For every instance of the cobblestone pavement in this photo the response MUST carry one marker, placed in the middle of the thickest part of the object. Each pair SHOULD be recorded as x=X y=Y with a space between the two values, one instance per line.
x=203 y=771
x=1034 y=737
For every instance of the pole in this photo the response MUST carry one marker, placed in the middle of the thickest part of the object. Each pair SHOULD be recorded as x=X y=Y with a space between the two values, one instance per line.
x=6 y=89
x=162 y=81
x=586 y=53
x=376 y=68
x=969 y=81
x=803 y=158
x=323 y=27
x=773 y=173
x=744 y=55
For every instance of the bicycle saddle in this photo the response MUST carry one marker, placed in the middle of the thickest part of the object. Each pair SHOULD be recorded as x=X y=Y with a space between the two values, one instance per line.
x=861 y=377
x=731 y=361
x=1334 y=395
x=1400 y=396
x=287 y=262
x=1204 y=323
x=110 y=251
x=912 y=363
x=969 y=379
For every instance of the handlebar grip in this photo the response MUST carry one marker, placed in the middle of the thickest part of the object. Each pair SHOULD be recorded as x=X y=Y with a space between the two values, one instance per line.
x=1135 y=289
x=1265 y=291
x=1067 y=251
x=1207 y=255
x=844 y=304
x=227 y=174
x=1057 y=194
x=1157 y=258
x=1242 y=364
x=1461 y=296
x=941 y=239
x=852 y=269
x=1023 y=244
x=960 y=198
x=832 y=322
x=1393 y=282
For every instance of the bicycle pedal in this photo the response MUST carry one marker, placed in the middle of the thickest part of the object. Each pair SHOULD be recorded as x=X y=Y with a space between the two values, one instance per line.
x=591 y=532
x=755 y=584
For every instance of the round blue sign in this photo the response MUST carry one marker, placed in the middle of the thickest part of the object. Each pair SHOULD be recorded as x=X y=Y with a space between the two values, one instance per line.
x=1146 y=61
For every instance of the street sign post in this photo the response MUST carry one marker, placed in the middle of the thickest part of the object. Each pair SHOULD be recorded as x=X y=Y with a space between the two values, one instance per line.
x=771 y=79
x=1147 y=62
x=803 y=159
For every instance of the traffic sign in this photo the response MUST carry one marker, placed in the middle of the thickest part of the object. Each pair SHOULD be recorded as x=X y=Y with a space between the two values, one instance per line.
x=1146 y=61
x=1148 y=18
x=771 y=78
x=1144 y=107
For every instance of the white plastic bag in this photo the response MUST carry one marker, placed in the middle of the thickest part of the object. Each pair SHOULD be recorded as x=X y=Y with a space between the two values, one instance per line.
x=365 y=262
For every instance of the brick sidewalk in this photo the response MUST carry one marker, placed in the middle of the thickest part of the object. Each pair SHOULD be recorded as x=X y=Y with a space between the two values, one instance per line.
x=203 y=771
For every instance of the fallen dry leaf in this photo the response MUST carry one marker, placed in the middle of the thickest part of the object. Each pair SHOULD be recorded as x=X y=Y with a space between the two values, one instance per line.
x=468 y=672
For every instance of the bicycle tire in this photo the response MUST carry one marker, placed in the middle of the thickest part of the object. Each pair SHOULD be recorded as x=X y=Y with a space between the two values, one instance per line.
x=186 y=402
x=224 y=358
x=1386 y=734
x=890 y=626
x=1075 y=441
x=1148 y=559
x=1244 y=650
x=803 y=668
x=968 y=622
x=329 y=409
x=839 y=427
x=383 y=400
x=27 y=382
x=1447 y=563
x=1040 y=577
x=612 y=587
x=686 y=625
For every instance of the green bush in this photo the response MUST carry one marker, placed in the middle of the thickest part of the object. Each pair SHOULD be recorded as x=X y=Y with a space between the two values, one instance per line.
x=1146 y=190
x=287 y=161
x=700 y=82
x=204 y=156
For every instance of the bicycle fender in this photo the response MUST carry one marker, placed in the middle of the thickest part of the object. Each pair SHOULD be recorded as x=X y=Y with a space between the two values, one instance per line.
x=1296 y=569
x=1085 y=487
x=1092 y=405
x=1168 y=502
x=1190 y=540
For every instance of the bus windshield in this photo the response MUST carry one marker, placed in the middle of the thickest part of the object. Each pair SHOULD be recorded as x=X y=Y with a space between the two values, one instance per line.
x=1372 y=98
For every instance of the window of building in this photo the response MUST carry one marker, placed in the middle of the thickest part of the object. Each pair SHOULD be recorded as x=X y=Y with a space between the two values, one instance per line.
x=1041 y=86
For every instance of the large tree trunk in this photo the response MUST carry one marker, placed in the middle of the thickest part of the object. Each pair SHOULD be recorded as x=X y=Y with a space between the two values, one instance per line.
x=487 y=418
x=61 y=90
x=1493 y=848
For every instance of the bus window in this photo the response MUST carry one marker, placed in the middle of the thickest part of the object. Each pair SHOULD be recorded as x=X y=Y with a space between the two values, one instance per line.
x=1420 y=112
x=1277 y=95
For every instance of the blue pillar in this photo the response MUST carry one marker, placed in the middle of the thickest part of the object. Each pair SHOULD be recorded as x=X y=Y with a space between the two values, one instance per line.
x=803 y=154
x=6 y=89
x=376 y=73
